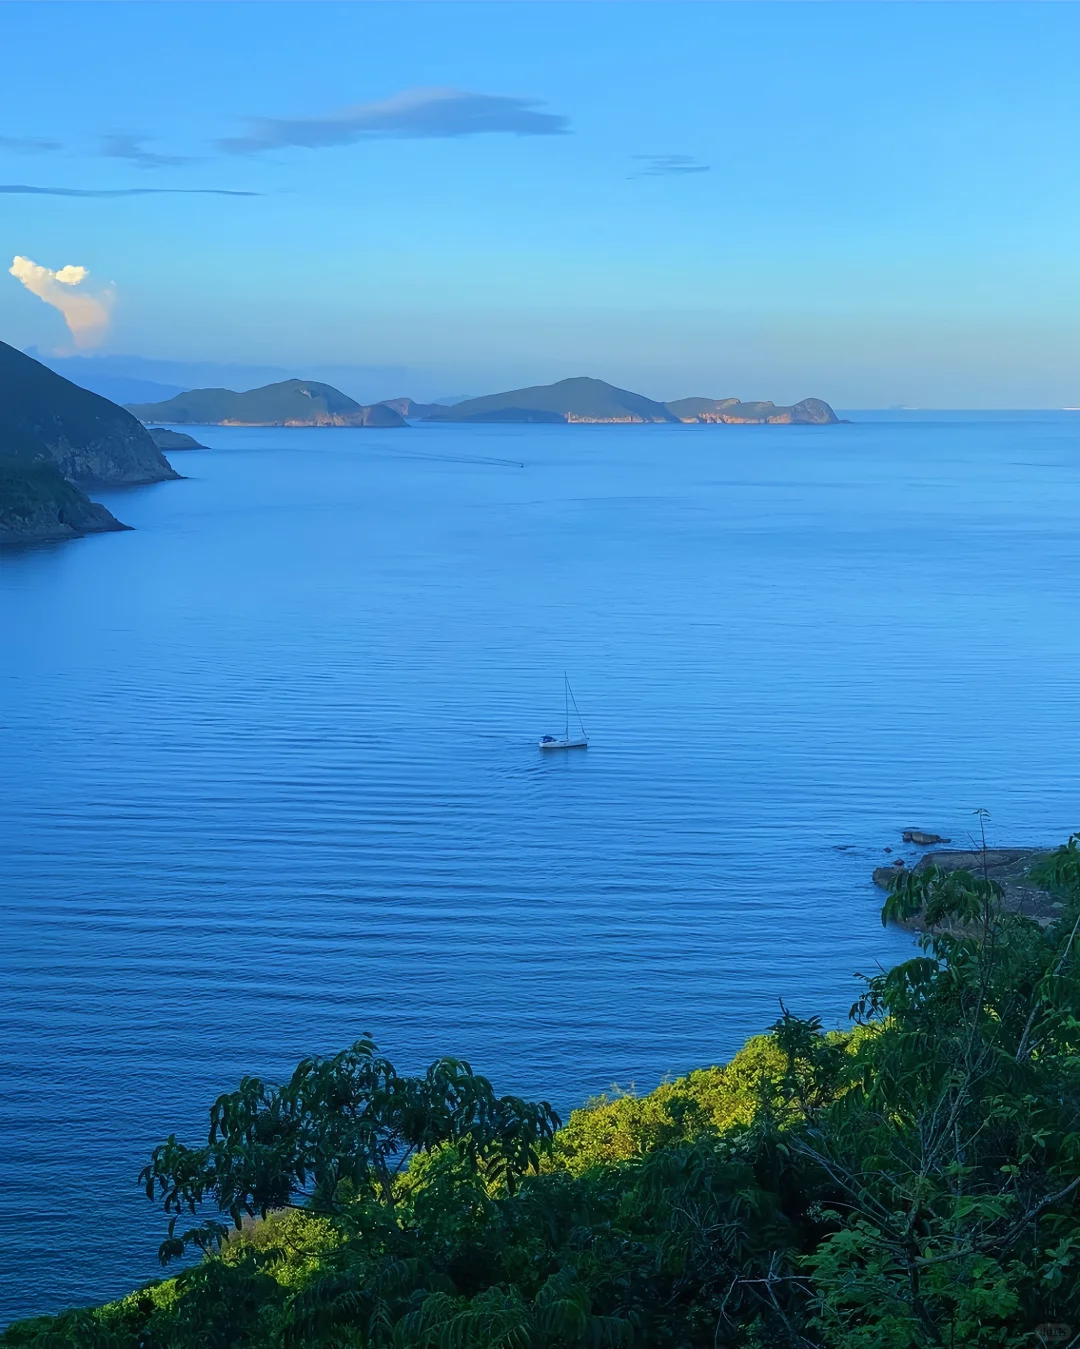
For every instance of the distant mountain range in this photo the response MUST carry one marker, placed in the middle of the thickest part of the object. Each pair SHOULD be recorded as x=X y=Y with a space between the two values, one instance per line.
x=56 y=438
x=293 y=402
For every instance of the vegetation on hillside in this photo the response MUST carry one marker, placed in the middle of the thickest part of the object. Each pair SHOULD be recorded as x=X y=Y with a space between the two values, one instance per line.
x=580 y=399
x=38 y=503
x=731 y=411
x=912 y=1181
x=84 y=436
x=592 y=400
x=292 y=402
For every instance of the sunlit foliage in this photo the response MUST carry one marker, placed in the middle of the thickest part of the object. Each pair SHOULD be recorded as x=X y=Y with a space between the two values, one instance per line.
x=911 y=1182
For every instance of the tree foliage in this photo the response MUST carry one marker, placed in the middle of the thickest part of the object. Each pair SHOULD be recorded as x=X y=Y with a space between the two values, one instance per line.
x=913 y=1181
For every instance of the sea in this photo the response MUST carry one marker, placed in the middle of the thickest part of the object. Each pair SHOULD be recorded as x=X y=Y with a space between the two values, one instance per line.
x=269 y=774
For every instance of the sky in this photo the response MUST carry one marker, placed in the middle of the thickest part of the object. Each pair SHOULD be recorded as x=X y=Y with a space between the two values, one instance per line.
x=877 y=204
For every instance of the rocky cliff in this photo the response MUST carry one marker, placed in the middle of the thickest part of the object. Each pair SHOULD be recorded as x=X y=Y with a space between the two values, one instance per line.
x=87 y=438
x=37 y=504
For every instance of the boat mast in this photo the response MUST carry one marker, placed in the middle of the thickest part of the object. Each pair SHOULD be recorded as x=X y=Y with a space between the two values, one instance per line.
x=566 y=704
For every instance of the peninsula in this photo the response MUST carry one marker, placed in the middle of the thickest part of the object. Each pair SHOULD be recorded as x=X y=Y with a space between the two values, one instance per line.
x=165 y=439
x=293 y=402
x=56 y=439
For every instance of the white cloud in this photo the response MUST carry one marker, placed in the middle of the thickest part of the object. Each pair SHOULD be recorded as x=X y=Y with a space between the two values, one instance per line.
x=86 y=313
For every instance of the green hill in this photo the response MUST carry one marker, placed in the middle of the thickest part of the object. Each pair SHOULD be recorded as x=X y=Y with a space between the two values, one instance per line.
x=293 y=402
x=732 y=412
x=570 y=400
x=87 y=438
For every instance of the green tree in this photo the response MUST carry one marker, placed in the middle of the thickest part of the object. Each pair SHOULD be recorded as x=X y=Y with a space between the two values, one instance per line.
x=341 y=1130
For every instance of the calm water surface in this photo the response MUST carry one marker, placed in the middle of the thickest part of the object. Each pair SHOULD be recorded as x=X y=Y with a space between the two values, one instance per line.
x=269 y=776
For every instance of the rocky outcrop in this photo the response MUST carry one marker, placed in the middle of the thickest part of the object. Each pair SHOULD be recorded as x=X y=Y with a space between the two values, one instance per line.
x=165 y=439
x=87 y=438
x=1009 y=867
x=38 y=504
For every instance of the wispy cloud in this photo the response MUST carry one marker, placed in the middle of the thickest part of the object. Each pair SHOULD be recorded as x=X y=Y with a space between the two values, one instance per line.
x=120 y=146
x=26 y=190
x=86 y=313
x=412 y=114
x=658 y=166
x=29 y=145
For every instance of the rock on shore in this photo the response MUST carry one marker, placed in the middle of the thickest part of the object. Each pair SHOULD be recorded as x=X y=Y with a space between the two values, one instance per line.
x=1009 y=867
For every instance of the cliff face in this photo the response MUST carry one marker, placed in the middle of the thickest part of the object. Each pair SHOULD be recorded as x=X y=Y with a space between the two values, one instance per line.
x=38 y=504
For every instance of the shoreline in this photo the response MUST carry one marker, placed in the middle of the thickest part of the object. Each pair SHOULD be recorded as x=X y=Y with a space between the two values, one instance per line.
x=1009 y=867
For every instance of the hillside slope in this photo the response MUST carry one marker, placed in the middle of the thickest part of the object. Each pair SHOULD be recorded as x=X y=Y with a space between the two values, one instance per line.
x=87 y=438
x=293 y=402
x=570 y=400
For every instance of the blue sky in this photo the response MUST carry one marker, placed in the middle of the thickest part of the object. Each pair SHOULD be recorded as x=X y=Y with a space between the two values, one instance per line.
x=874 y=203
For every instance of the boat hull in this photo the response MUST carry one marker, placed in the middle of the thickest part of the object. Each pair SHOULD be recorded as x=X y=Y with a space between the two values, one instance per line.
x=579 y=743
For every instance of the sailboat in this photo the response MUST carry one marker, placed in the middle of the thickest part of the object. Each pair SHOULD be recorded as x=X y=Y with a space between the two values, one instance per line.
x=566 y=741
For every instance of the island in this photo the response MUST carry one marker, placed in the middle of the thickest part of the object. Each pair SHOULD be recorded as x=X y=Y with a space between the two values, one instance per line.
x=570 y=400
x=732 y=412
x=56 y=439
x=292 y=402
x=586 y=400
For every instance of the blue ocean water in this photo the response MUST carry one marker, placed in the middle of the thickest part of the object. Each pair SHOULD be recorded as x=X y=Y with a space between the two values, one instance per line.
x=269 y=776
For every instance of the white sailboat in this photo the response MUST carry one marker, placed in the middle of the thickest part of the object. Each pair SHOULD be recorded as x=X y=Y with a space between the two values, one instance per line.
x=566 y=741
